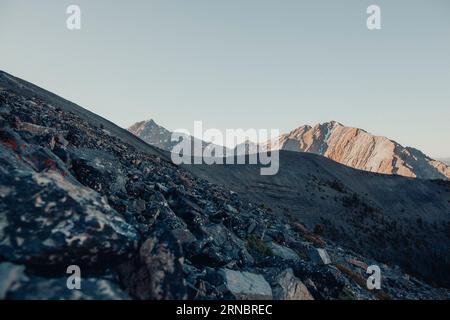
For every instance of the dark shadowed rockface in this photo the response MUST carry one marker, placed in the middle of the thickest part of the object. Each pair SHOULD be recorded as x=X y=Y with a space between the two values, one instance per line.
x=72 y=192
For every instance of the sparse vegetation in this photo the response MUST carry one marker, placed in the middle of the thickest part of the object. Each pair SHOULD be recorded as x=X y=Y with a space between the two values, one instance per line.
x=259 y=246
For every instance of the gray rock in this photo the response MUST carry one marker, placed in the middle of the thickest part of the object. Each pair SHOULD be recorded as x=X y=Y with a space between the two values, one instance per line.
x=70 y=224
x=283 y=252
x=288 y=287
x=245 y=285
x=231 y=209
x=319 y=256
x=159 y=272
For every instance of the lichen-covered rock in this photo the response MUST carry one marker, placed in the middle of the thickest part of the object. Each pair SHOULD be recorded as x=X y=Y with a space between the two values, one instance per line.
x=51 y=220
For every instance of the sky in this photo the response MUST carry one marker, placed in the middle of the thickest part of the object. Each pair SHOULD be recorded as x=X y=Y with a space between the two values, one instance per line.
x=243 y=63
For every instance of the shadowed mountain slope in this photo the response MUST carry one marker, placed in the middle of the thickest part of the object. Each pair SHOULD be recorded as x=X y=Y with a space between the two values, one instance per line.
x=29 y=90
x=395 y=219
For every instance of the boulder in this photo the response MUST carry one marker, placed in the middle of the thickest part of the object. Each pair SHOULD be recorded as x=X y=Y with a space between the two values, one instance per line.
x=158 y=273
x=70 y=224
x=288 y=287
x=245 y=285
x=283 y=252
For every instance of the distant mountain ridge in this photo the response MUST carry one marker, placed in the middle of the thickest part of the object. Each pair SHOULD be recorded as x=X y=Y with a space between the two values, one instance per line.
x=359 y=149
x=350 y=146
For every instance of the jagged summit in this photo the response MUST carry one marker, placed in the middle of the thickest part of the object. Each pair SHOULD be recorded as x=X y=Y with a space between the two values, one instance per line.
x=158 y=136
x=152 y=133
x=359 y=149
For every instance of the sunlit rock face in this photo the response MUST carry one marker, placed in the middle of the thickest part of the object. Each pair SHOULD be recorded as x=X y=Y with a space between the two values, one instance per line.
x=359 y=149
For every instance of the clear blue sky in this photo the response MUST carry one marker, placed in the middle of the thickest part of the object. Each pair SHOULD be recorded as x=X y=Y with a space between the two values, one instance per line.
x=243 y=63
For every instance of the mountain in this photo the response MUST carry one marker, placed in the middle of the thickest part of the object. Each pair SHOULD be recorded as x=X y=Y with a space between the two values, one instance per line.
x=76 y=190
x=153 y=134
x=359 y=149
x=352 y=147
x=160 y=137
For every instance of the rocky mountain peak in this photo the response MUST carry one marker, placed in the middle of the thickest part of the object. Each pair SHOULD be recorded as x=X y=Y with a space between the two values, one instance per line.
x=359 y=149
x=152 y=133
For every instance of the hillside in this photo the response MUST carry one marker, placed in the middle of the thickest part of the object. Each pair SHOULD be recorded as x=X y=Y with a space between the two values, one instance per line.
x=394 y=219
x=74 y=193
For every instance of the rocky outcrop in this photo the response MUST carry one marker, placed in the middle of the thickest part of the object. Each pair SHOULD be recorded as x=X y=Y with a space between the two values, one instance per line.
x=359 y=149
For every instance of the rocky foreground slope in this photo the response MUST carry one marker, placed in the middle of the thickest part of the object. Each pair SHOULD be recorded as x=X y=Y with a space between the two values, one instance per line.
x=359 y=149
x=139 y=227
